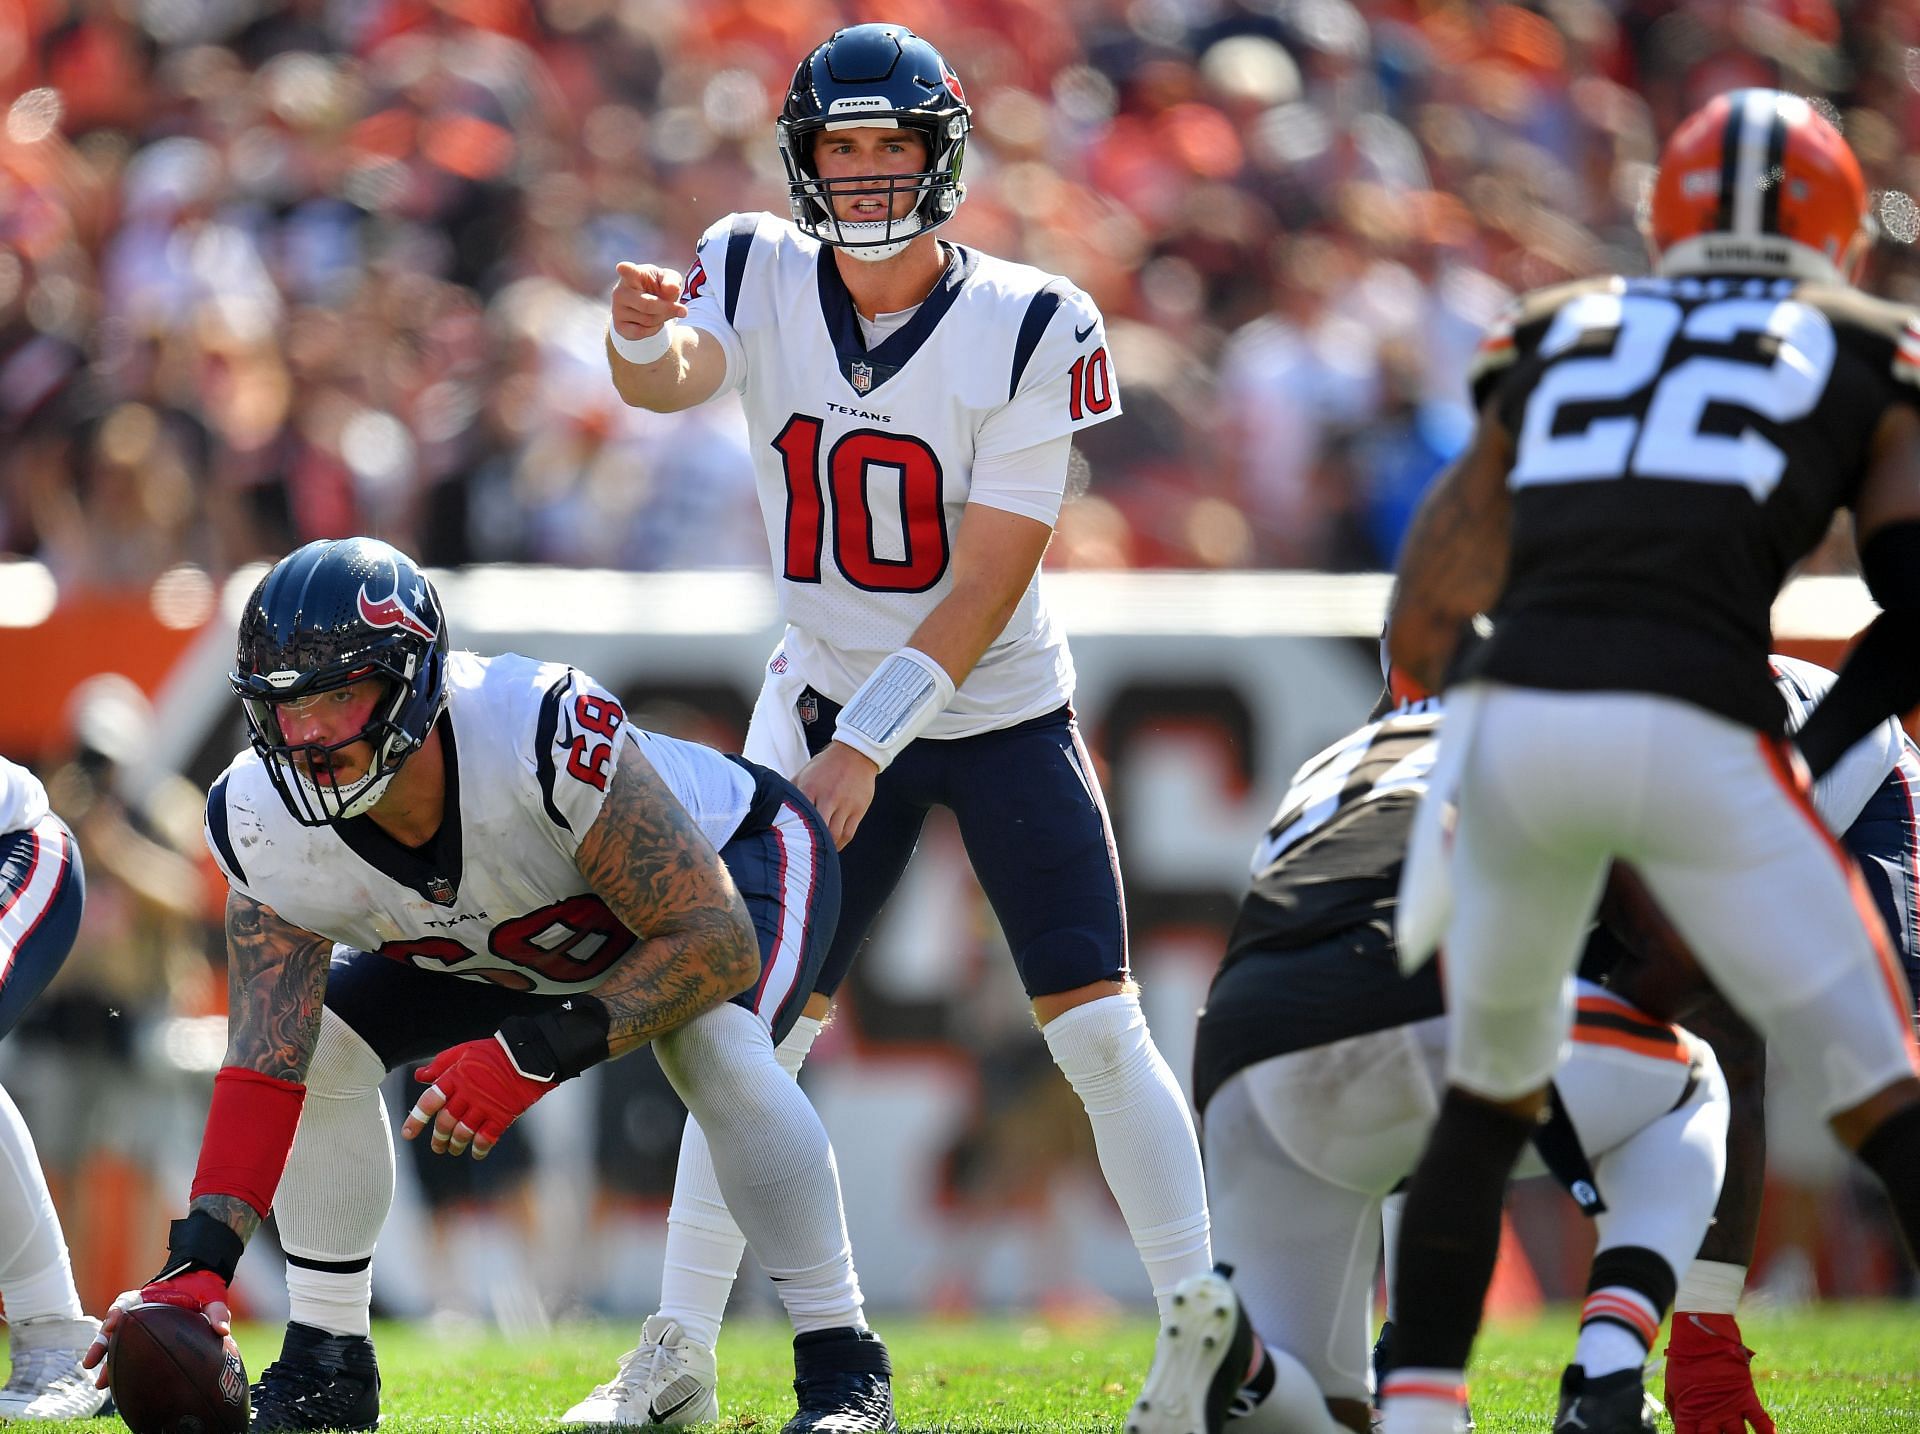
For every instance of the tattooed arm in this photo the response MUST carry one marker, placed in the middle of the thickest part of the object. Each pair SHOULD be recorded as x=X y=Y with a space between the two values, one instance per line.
x=659 y=874
x=1454 y=563
x=276 y=980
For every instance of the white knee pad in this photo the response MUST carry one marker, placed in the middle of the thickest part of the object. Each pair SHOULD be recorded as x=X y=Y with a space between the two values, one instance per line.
x=343 y=1063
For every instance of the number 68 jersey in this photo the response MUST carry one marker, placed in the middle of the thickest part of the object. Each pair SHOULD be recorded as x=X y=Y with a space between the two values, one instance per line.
x=866 y=455
x=530 y=749
x=1679 y=443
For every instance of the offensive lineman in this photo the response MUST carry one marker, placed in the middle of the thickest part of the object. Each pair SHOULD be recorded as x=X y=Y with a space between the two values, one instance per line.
x=42 y=889
x=1652 y=457
x=518 y=880
x=912 y=405
x=1317 y=1068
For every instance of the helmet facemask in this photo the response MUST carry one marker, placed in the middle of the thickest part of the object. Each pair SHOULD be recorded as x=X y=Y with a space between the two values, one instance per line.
x=936 y=190
x=304 y=772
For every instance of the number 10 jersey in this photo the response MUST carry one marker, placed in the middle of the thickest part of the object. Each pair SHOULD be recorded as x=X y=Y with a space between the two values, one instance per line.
x=865 y=457
x=1679 y=444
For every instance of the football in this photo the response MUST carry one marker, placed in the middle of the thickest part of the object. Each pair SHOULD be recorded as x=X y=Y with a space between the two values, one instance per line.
x=171 y=1374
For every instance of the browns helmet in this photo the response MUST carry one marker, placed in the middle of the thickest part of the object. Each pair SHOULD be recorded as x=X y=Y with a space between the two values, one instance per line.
x=1758 y=181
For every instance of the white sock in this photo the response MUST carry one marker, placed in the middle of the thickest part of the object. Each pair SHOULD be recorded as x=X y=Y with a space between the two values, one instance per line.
x=335 y=1298
x=1618 y=1325
x=1423 y=1401
x=773 y=1162
x=338 y=1184
x=704 y=1244
x=36 y=1277
x=1143 y=1132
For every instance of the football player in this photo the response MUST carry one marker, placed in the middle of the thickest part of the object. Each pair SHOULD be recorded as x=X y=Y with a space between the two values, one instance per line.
x=1651 y=458
x=1318 y=1069
x=42 y=891
x=481 y=863
x=912 y=404
x=1868 y=798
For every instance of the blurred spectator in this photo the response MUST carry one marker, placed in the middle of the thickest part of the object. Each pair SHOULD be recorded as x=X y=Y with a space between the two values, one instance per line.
x=279 y=269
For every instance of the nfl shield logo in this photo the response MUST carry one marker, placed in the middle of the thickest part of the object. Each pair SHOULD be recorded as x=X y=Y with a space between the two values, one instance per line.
x=809 y=708
x=861 y=375
x=441 y=890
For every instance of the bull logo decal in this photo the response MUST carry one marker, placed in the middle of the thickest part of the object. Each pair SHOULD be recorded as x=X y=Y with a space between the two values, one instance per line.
x=392 y=611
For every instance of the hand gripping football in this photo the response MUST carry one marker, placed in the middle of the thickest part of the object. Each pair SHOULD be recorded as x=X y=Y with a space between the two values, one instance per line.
x=173 y=1375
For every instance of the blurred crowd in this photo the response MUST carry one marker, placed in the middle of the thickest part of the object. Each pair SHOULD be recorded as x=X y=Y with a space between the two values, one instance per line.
x=273 y=270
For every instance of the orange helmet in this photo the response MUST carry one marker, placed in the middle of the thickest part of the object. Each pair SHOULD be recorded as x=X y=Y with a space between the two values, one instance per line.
x=1750 y=169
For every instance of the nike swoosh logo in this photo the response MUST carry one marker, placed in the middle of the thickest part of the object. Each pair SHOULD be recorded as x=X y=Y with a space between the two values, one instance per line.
x=1080 y=335
x=661 y=1416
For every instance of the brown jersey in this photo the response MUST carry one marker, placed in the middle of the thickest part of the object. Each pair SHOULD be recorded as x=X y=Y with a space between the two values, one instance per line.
x=1679 y=444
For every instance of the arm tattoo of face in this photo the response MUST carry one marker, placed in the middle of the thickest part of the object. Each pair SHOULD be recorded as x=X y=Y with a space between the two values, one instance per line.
x=230 y=1210
x=660 y=875
x=276 y=980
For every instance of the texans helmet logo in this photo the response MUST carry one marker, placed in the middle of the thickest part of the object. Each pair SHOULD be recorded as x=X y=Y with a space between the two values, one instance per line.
x=953 y=85
x=392 y=612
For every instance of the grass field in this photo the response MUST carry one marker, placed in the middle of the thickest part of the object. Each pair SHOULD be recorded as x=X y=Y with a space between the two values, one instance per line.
x=1853 y=1368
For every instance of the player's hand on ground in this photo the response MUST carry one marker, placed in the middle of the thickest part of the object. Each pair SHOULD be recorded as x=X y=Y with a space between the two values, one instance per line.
x=200 y=1290
x=645 y=297
x=1710 y=1379
x=474 y=1093
x=839 y=783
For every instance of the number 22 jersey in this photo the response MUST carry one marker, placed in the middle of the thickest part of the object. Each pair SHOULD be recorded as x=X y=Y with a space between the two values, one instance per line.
x=1679 y=444
x=530 y=749
x=865 y=457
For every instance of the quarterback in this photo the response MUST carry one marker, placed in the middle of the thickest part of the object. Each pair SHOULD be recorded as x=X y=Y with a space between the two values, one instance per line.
x=481 y=863
x=912 y=405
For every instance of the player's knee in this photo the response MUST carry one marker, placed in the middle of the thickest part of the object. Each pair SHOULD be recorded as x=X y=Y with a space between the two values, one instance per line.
x=343 y=1065
x=1505 y=1058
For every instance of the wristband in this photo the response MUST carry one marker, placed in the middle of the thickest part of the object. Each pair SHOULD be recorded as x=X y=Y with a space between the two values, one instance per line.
x=249 y=1131
x=651 y=349
x=906 y=692
x=200 y=1242
x=1711 y=1287
x=557 y=1045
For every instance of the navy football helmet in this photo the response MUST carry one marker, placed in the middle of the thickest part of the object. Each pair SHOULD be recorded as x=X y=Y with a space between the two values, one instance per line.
x=325 y=616
x=884 y=77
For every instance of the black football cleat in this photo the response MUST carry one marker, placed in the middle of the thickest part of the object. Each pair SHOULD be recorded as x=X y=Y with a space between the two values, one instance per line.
x=1614 y=1403
x=320 y=1381
x=844 y=1383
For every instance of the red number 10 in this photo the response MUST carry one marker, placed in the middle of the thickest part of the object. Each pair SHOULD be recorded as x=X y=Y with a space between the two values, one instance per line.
x=923 y=516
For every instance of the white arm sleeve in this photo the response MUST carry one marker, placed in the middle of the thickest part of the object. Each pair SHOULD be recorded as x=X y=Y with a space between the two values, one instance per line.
x=720 y=258
x=1029 y=481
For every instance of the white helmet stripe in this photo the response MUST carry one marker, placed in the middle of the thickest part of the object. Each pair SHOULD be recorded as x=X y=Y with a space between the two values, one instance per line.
x=1750 y=177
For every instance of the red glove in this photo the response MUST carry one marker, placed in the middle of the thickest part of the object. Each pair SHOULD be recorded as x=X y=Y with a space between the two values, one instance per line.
x=475 y=1092
x=1709 y=1385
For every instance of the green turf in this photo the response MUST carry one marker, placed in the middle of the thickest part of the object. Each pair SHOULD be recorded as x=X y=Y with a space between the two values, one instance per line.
x=1838 y=1368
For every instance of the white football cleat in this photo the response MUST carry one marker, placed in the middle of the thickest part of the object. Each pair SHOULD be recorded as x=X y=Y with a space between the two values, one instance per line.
x=1199 y=1361
x=665 y=1379
x=47 y=1381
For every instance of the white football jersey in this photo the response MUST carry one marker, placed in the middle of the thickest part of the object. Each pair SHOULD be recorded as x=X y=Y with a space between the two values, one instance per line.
x=1852 y=781
x=865 y=458
x=496 y=895
x=23 y=801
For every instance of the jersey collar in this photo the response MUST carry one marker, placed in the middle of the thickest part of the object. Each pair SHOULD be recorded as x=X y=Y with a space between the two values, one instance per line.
x=432 y=870
x=863 y=371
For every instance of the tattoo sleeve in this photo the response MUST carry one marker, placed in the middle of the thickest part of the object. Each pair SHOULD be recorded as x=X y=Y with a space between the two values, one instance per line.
x=1454 y=563
x=276 y=980
x=660 y=875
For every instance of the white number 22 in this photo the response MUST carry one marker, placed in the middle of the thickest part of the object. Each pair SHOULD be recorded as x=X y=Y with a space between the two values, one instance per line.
x=1668 y=443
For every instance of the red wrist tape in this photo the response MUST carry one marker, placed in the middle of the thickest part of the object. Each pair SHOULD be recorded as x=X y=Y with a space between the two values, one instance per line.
x=249 y=1132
